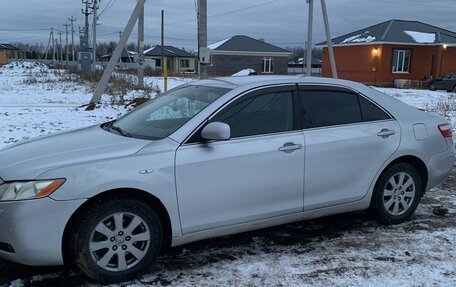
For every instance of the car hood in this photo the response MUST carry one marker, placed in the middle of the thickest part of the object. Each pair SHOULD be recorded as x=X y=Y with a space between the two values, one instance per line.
x=27 y=160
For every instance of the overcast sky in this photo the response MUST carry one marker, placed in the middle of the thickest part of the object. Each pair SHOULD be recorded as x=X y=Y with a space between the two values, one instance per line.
x=280 y=22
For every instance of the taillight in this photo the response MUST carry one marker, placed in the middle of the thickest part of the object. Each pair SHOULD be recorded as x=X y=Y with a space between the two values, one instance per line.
x=446 y=130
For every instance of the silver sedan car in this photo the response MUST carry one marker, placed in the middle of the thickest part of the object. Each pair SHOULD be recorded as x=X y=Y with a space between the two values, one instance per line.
x=212 y=158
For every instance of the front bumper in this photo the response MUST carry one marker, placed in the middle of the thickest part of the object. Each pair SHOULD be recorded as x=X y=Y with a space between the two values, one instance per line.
x=34 y=230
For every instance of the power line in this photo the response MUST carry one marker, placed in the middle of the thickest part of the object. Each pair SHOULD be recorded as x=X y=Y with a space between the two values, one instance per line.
x=411 y=4
x=107 y=7
x=25 y=30
x=243 y=9
x=222 y=13
x=344 y=18
x=108 y=34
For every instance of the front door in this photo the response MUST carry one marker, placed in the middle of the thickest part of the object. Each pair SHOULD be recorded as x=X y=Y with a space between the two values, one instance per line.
x=257 y=174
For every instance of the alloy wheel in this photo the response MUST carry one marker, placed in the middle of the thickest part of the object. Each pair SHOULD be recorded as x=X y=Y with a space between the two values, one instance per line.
x=399 y=193
x=119 y=242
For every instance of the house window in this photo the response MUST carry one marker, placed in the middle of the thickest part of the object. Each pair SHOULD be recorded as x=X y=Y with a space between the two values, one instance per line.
x=158 y=63
x=401 y=61
x=268 y=65
x=185 y=63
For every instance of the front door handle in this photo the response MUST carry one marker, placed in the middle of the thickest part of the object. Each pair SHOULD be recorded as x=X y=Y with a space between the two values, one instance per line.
x=290 y=147
x=384 y=133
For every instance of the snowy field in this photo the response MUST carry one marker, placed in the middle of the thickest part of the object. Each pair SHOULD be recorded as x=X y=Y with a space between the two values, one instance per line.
x=36 y=101
x=343 y=250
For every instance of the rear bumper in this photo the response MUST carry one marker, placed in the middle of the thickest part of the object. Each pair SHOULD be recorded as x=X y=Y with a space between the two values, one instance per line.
x=32 y=230
x=440 y=167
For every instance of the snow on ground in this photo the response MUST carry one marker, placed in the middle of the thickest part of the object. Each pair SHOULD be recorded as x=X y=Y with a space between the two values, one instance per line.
x=438 y=101
x=343 y=250
x=35 y=100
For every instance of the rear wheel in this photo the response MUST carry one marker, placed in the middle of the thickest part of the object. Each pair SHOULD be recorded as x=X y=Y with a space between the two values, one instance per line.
x=397 y=194
x=454 y=89
x=432 y=87
x=117 y=240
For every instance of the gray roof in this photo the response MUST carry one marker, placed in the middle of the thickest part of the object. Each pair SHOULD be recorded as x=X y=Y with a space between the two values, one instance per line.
x=169 y=51
x=242 y=43
x=397 y=31
x=123 y=55
x=8 y=47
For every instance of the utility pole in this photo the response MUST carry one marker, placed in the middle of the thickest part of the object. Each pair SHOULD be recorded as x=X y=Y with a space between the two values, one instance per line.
x=126 y=51
x=309 y=39
x=72 y=19
x=140 y=49
x=86 y=14
x=116 y=55
x=66 y=25
x=94 y=34
x=61 y=46
x=202 y=38
x=164 y=64
x=48 y=45
x=53 y=44
x=328 y=40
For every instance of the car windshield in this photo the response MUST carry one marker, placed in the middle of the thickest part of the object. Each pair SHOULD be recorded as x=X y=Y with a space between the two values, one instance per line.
x=165 y=114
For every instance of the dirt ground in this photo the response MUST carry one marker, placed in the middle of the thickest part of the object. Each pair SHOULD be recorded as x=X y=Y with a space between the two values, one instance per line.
x=349 y=249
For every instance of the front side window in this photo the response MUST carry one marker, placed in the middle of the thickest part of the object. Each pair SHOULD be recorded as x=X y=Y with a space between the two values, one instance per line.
x=165 y=114
x=401 y=61
x=259 y=114
x=267 y=65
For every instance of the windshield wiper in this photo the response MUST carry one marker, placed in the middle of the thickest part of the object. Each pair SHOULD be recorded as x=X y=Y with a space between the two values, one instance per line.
x=121 y=131
x=107 y=126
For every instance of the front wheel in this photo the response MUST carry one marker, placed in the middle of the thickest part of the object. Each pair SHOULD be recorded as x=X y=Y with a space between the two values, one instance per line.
x=432 y=87
x=397 y=194
x=116 y=240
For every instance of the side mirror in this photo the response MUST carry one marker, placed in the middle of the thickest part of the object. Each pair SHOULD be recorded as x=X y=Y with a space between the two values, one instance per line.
x=216 y=131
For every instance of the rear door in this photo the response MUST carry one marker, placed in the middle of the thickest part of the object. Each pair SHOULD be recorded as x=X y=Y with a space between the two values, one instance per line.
x=452 y=83
x=445 y=83
x=257 y=174
x=348 y=138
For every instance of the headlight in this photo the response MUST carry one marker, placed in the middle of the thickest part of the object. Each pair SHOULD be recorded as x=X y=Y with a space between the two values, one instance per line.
x=28 y=189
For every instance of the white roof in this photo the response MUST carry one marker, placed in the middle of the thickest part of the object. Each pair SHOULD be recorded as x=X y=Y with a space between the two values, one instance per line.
x=218 y=44
x=421 y=37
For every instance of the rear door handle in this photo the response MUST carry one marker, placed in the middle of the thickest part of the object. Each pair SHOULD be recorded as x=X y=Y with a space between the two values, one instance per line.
x=384 y=133
x=290 y=147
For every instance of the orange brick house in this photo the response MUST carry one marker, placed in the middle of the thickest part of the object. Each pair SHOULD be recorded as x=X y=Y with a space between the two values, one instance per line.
x=391 y=50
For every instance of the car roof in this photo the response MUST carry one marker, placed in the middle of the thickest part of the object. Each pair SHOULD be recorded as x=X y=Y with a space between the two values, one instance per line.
x=240 y=81
x=393 y=105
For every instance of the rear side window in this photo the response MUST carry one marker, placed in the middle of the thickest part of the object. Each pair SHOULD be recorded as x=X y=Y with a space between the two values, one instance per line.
x=263 y=113
x=329 y=108
x=371 y=112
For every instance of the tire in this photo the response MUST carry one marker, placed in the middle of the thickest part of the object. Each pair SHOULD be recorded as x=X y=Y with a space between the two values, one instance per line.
x=397 y=194
x=454 y=89
x=432 y=87
x=108 y=252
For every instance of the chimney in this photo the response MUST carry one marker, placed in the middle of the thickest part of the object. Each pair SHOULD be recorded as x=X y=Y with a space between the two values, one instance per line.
x=261 y=39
